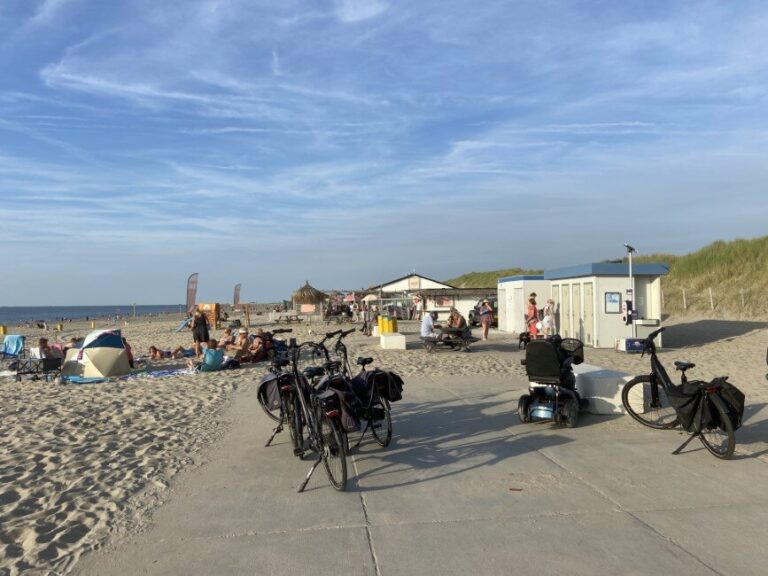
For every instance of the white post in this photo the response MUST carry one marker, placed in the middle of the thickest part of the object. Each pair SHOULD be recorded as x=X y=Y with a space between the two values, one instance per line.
x=711 y=300
x=685 y=304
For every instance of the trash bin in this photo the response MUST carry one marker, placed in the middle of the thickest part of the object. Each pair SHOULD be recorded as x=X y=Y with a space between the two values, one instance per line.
x=93 y=323
x=394 y=324
x=3 y=329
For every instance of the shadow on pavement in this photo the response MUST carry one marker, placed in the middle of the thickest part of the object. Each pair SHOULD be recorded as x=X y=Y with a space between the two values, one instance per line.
x=707 y=331
x=450 y=438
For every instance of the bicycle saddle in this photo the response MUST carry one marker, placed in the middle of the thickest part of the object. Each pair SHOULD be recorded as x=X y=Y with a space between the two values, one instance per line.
x=684 y=365
x=313 y=371
x=363 y=361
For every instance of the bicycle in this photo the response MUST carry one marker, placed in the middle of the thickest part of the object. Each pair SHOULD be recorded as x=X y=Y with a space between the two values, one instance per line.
x=655 y=401
x=317 y=413
x=276 y=350
x=376 y=410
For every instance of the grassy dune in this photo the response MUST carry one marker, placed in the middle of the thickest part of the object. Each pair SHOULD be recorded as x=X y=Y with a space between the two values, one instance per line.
x=736 y=272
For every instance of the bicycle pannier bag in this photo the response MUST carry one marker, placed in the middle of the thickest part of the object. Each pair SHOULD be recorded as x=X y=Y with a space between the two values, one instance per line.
x=733 y=398
x=269 y=392
x=686 y=400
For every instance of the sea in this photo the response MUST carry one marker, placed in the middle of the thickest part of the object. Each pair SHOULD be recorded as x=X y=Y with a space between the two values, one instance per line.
x=19 y=315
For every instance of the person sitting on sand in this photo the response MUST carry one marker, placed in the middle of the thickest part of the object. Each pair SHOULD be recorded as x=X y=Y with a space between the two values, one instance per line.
x=44 y=349
x=181 y=352
x=227 y=338
x=428 y=326
x=456 y=320
x=128 y=353
x=240 y=348
x=213 y=359
x=156 y=354
x=256 y=350
x=74 y=342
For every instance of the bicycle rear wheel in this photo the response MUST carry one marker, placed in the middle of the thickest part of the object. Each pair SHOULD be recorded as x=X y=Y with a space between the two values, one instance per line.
x=332 y=452
x=720 y=440
x=295 y=426
x=647 y=402
x=381 y=421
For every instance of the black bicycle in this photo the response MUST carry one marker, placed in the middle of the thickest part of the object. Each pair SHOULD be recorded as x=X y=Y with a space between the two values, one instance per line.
x=315 y=421
x=698 y=407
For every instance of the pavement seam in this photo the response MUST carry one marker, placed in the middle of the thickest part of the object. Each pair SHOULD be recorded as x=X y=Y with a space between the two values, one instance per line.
x=368 y=534
x=623 y=510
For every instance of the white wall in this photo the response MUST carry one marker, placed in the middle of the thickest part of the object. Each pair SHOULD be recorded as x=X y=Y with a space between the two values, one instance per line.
x=412 y=283
x=515 y=307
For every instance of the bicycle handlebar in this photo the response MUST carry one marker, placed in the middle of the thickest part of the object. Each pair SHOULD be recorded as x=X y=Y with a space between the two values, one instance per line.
x=346 y=333
x=282 y=330
x=332 y=334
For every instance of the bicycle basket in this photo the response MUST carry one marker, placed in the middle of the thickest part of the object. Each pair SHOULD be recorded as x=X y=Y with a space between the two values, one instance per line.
x=575 y=348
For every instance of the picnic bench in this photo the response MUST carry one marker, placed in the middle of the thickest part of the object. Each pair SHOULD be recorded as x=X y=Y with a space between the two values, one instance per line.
x=289 y=318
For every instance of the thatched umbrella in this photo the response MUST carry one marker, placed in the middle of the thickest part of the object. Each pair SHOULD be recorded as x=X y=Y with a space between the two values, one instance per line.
x=309 y=295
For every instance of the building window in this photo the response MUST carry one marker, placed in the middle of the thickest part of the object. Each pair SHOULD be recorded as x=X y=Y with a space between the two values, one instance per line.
x=613 y=302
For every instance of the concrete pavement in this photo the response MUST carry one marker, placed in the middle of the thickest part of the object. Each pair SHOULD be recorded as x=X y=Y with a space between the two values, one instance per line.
x=463 y=488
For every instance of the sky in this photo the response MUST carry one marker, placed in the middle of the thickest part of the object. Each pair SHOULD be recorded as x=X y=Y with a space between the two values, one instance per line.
x=350 y=142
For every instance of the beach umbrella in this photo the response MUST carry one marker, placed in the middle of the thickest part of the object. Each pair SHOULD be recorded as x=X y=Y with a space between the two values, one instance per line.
x=370 y=298
x=309 y=295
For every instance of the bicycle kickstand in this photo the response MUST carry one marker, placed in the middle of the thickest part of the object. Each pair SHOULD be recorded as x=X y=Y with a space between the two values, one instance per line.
x=311 y=471
x=367 y=425
x=684 y=444
x=275 y=432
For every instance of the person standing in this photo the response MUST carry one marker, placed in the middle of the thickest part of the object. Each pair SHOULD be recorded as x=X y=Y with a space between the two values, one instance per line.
x=486 y=317
x=532 y=318
x=199 y=331
x=548 y=323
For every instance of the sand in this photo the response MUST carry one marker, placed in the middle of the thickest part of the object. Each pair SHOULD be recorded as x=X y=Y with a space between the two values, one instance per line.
x=81 y=464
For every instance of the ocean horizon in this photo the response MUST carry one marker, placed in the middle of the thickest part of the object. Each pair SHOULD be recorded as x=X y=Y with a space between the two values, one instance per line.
x=14 y=315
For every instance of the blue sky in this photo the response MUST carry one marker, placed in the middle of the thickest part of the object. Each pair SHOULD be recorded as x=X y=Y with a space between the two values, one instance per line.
x=347 y=142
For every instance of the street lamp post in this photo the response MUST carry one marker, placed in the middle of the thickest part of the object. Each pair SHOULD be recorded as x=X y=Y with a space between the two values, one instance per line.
x=630 y=251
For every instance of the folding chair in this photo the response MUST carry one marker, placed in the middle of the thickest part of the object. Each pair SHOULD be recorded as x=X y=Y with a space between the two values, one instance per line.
x=13 y=348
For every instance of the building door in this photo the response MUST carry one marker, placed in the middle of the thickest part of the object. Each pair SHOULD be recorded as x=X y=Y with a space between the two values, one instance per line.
x=555 y=295
x=518 y=311
x=565 y=311
x=577 y=319
x=589 y=316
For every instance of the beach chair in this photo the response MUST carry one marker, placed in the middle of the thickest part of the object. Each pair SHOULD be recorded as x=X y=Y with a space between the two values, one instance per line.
x=12 y=350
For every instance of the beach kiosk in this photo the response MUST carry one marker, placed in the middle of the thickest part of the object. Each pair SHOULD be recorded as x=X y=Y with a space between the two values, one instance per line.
x=513 y=293
x=596 y=304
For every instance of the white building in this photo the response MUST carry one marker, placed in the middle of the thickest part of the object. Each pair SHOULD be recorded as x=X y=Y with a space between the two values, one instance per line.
x=513 y=294
x=591 y=301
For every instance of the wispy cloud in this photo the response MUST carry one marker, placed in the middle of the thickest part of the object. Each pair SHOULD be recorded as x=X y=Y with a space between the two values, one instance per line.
x=357 y=10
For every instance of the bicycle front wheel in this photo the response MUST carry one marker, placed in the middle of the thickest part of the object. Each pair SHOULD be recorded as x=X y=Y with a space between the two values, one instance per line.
x=647 y=402
x=720 y=440
x=332 y=452
x=381 y=421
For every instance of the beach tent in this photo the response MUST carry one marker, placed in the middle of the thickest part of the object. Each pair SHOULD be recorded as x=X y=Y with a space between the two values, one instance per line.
x=102 y=355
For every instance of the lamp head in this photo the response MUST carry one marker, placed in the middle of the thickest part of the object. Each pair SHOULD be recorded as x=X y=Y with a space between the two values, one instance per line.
x=629 y=248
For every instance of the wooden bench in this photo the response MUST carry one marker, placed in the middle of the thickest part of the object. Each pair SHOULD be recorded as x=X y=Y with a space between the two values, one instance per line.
x=289 y=318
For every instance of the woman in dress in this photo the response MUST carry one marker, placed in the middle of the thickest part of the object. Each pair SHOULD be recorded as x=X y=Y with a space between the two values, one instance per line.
x=532 y=318
x=548 y=322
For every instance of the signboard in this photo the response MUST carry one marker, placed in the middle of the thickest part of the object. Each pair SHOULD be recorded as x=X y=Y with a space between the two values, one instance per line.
x=191 y=292
x=236 y=299
x=613 y=302
x=414 y=283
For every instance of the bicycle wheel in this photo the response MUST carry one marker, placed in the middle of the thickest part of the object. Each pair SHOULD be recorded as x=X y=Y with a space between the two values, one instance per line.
x=720 y=440
x=332 y=452
x=649 y=404
x=381 y=422
x=295 y=426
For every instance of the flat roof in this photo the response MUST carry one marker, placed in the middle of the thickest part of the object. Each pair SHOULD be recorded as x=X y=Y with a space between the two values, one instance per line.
x=522 y=277
x=606 y=269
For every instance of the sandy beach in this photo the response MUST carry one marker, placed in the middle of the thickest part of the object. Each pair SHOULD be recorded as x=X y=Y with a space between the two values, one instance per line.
x=83 y=464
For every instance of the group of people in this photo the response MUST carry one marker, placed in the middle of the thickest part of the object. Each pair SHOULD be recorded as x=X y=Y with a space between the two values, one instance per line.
x=430 y=327
x=540 y=322
x=208 y=354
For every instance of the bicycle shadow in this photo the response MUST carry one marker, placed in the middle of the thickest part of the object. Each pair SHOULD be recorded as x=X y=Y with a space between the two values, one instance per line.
x=436 y=440
x=708 y=331
x=754 y=430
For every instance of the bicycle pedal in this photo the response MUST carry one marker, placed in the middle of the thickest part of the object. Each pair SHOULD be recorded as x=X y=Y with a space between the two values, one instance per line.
x=298 y=451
